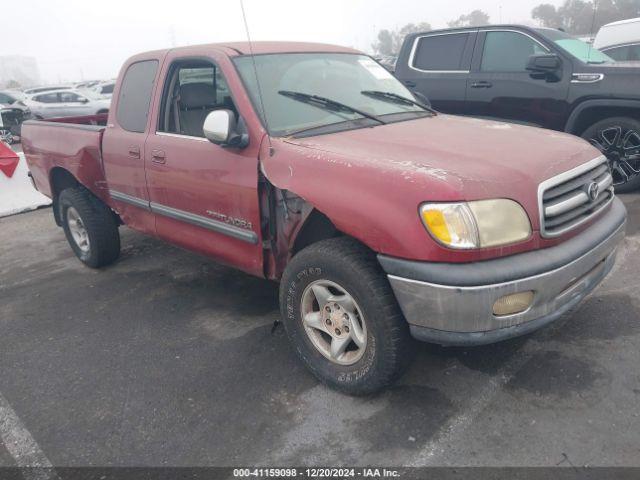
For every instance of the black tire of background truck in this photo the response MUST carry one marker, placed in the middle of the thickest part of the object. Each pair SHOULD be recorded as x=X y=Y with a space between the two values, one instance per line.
x=389 y=347
x=626 y=124
x=99 y=222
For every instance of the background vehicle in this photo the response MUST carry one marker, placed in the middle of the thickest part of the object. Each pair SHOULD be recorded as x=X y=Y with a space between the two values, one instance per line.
x=539 y=77
x=620 y=40
x=379 y=222
x=13 y=112
x=11 y=118
x=104 y=89
x=12 y=97
x=66 y=103
x=32 y=91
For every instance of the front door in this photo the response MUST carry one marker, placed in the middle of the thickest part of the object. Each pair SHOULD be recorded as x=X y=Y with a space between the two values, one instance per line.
x=499 y=86
x=205 y=196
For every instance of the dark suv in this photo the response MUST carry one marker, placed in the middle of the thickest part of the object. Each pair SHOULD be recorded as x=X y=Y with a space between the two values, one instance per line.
x=536 y=76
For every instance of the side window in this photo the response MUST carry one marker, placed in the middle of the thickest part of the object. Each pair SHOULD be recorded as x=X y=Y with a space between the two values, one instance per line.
x=69 y=97
x=192 y=91
x=508 y=52
x=5 y=99
x=441 y=52
x=47 y=98
x=627 y=53
x=135 y=95
x=107 y=88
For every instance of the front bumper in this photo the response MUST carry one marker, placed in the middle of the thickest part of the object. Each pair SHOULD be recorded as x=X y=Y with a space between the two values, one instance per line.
x=452 y=304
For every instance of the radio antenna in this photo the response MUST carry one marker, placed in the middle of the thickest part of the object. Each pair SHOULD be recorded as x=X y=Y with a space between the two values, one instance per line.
x=593 y=26
x=255 y=72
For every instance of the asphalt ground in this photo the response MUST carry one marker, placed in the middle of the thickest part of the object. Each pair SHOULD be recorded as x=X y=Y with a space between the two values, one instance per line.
x=166 y=358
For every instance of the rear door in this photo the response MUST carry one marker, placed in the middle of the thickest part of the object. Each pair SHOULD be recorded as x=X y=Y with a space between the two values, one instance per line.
x=123 y=143
x=205 y=196
x=437 y=65
x=499 y=86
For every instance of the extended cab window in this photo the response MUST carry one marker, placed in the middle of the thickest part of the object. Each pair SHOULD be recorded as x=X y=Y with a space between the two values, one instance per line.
x=441 y=52
x=194 y=88
x=508 y=52
x=135 y=95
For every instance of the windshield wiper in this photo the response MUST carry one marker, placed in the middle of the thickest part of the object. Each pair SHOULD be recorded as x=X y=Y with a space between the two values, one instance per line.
x=327 y=104
x=395 y=98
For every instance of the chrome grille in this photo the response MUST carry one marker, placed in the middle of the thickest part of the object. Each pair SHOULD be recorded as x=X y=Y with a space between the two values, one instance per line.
x=573 y=197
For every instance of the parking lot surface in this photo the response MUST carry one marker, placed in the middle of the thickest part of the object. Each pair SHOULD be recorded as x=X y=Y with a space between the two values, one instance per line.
x=166 y=358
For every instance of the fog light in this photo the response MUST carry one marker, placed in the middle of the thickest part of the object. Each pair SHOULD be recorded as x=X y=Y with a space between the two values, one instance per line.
x=512 y=304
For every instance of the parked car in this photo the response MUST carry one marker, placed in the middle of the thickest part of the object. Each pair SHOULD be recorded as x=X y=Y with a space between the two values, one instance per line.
x=11 y=119
x=12 y=97
x=380 y=218
x=67 y=103
x=620 y=40
x=534 y=76
x=34 y=90
x=104 y=89
x=13 y=112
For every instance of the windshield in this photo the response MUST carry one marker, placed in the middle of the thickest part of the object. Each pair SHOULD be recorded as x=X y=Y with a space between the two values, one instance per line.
x=336 y=76
x=577 y=48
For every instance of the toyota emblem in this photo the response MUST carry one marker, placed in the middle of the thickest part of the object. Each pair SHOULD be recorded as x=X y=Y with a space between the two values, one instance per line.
x=593 y=190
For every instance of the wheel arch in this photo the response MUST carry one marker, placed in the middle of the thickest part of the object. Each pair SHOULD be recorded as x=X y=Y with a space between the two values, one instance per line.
x=59 y=179
x=315 y=228
x=591 y=111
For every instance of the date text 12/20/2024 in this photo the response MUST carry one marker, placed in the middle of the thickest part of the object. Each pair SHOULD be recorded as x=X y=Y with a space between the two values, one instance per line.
x=315 y=473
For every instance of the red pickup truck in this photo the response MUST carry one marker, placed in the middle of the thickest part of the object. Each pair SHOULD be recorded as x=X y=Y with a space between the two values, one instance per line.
x=311 y=165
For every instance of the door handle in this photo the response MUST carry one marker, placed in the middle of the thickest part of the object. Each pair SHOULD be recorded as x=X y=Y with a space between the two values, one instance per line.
x=410 y=83
x=158 y=156
x=482 y=84
x=134 y=152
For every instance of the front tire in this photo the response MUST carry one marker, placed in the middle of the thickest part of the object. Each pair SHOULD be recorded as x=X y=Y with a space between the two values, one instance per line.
x=618 y=139
x=90 y=227
x=342 y=318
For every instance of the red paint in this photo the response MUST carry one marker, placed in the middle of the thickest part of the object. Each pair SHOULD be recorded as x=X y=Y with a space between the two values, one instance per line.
x=8 y=160
x=369 y=182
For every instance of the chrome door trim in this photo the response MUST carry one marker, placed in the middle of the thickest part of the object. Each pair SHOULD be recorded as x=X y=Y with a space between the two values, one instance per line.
x=131 y=200
x=238 y=233
x=203 y=222
x=178 y=135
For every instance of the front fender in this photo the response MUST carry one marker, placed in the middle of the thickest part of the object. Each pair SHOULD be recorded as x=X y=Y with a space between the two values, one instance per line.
x=582 y=107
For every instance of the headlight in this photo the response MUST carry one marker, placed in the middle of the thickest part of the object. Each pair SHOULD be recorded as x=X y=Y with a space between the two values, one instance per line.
x=478 y=224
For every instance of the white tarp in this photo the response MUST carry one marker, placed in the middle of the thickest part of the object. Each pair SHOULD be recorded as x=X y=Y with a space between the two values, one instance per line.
x=17 y=193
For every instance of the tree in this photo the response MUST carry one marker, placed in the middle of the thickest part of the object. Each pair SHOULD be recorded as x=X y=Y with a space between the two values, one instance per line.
x=390 y=41
x=578 y=16
x=14 y=84
x=547 y=15
x=477 y=18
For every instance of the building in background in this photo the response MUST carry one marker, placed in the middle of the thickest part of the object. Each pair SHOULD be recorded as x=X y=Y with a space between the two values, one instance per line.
x=17 y=71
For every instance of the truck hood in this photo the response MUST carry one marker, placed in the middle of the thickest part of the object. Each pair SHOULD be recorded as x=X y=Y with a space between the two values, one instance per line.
x=469 y=158
x=371 y=182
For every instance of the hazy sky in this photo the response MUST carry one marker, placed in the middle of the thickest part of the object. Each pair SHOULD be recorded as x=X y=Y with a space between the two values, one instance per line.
x=80 y=39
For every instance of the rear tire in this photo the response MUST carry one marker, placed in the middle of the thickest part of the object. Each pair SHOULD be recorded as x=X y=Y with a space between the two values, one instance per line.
x=618 y=138
x=336 y=291
x=90 y=227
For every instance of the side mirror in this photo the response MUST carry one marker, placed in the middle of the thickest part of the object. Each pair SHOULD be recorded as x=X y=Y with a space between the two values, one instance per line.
x=220 y=127
x=544 y=64
x=84 y=100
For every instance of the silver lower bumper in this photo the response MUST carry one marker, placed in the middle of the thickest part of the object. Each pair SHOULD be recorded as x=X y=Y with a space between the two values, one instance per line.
x=464 y=314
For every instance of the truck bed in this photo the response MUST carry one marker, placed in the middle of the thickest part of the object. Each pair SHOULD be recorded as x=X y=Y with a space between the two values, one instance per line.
x=71 y=143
